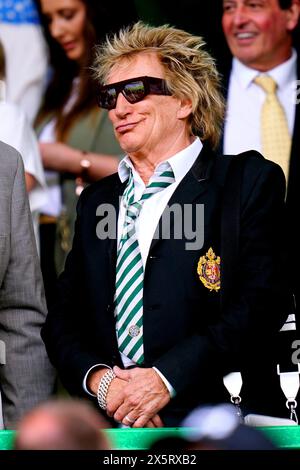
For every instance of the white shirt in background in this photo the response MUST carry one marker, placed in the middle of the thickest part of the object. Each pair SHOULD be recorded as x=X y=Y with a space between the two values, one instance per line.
x=245 y=100
x=26 y=57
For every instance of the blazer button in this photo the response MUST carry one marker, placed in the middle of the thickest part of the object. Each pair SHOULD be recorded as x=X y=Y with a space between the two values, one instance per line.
x=108 y=308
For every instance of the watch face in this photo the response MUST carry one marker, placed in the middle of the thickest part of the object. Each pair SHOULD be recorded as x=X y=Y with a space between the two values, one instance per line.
x=85 y=163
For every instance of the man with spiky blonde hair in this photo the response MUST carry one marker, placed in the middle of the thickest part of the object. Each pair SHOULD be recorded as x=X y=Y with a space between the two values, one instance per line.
x=139 y=324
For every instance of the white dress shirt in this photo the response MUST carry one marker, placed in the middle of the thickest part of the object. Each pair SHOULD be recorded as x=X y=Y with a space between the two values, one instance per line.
x=245 y=100
x=150 y=214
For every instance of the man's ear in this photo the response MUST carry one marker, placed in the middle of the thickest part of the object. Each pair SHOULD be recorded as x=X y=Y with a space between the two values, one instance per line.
x=293 y=14
x=184 y=109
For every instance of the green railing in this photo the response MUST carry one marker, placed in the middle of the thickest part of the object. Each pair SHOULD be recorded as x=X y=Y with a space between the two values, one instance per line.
x=285 y=437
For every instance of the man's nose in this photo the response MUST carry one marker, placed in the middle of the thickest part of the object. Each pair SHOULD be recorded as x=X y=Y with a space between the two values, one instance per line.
x=122 y=105
x=240 y=16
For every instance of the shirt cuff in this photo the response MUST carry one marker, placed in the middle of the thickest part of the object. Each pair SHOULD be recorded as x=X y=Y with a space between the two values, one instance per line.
x=166 y=382
x=86 y=376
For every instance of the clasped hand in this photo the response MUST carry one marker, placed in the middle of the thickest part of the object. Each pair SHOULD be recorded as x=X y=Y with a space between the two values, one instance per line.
x=136 y=396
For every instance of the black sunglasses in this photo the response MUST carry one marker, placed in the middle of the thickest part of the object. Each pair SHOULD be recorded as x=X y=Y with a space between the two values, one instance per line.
x=134 y=90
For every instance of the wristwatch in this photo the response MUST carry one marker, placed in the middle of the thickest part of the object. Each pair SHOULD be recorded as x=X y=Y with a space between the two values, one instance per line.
x=85 y=165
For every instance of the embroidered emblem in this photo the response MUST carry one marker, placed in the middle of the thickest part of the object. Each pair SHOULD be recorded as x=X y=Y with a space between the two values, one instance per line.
x=209 y=270
x=134 y=330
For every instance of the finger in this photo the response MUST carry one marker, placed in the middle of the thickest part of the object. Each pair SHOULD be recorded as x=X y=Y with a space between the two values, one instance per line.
x=150 y=424
x=128 y=421
x=113 y=405
x=157 y=422
x=121 y=412
x=122 y=374
x=141 y=421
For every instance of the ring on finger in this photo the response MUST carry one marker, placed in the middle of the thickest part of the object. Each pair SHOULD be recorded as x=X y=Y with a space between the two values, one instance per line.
x=130 y=420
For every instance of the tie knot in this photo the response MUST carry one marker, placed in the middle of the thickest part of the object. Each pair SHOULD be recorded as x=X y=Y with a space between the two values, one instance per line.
x=158 y=182
x=266 y=82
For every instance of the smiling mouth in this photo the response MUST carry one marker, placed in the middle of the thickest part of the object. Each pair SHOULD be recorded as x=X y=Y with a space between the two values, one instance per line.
x=245 y=36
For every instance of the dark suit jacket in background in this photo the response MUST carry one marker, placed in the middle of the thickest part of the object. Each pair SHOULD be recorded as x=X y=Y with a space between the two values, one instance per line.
x=186 y=336
x=293 y=196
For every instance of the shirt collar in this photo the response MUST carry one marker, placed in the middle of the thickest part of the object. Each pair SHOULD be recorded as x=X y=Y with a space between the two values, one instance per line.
x=283 y=74
x=180 y=163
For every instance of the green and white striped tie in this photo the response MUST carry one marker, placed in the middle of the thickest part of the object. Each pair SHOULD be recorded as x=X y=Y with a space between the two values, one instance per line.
x=130 y=271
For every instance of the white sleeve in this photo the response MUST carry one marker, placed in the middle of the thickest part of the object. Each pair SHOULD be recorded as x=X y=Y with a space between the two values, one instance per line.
x=16 y=131
x=171 y=390
x=86 y=376
x=26 y=65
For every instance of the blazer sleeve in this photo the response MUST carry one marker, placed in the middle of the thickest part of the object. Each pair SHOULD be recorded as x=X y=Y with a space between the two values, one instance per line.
x=27 y=377
x=67 y=330
x=255 y=310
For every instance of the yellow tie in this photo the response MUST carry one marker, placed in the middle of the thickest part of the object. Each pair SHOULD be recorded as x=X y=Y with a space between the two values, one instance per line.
x=275 y=136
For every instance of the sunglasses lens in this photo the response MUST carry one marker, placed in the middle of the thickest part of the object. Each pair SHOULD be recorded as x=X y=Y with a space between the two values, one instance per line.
x=134 y=91
x=108 y=98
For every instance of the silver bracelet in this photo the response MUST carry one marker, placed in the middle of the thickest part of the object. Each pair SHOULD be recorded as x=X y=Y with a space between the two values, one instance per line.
x=103 y=388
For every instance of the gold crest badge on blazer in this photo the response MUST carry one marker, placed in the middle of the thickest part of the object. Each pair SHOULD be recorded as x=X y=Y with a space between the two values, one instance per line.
x=209 y=270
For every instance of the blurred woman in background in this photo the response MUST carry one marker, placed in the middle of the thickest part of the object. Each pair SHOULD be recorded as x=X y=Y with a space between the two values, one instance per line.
x=76 y=138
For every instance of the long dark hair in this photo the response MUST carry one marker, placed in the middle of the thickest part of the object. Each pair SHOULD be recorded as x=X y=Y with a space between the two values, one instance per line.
x=101 y=20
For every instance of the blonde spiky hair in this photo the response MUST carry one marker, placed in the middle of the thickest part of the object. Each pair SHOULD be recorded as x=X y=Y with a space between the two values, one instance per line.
x=190 y=71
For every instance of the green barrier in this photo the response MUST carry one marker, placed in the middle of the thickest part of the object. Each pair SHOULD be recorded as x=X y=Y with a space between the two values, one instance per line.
x=285 y=437
x=6 y=439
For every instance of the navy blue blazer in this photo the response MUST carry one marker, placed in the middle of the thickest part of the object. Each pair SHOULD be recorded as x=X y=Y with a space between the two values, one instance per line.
x=187 y=335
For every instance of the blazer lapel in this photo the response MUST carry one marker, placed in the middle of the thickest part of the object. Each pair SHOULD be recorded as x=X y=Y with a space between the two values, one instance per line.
x=114 y=199
x=193 y=185
x=225 y=72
